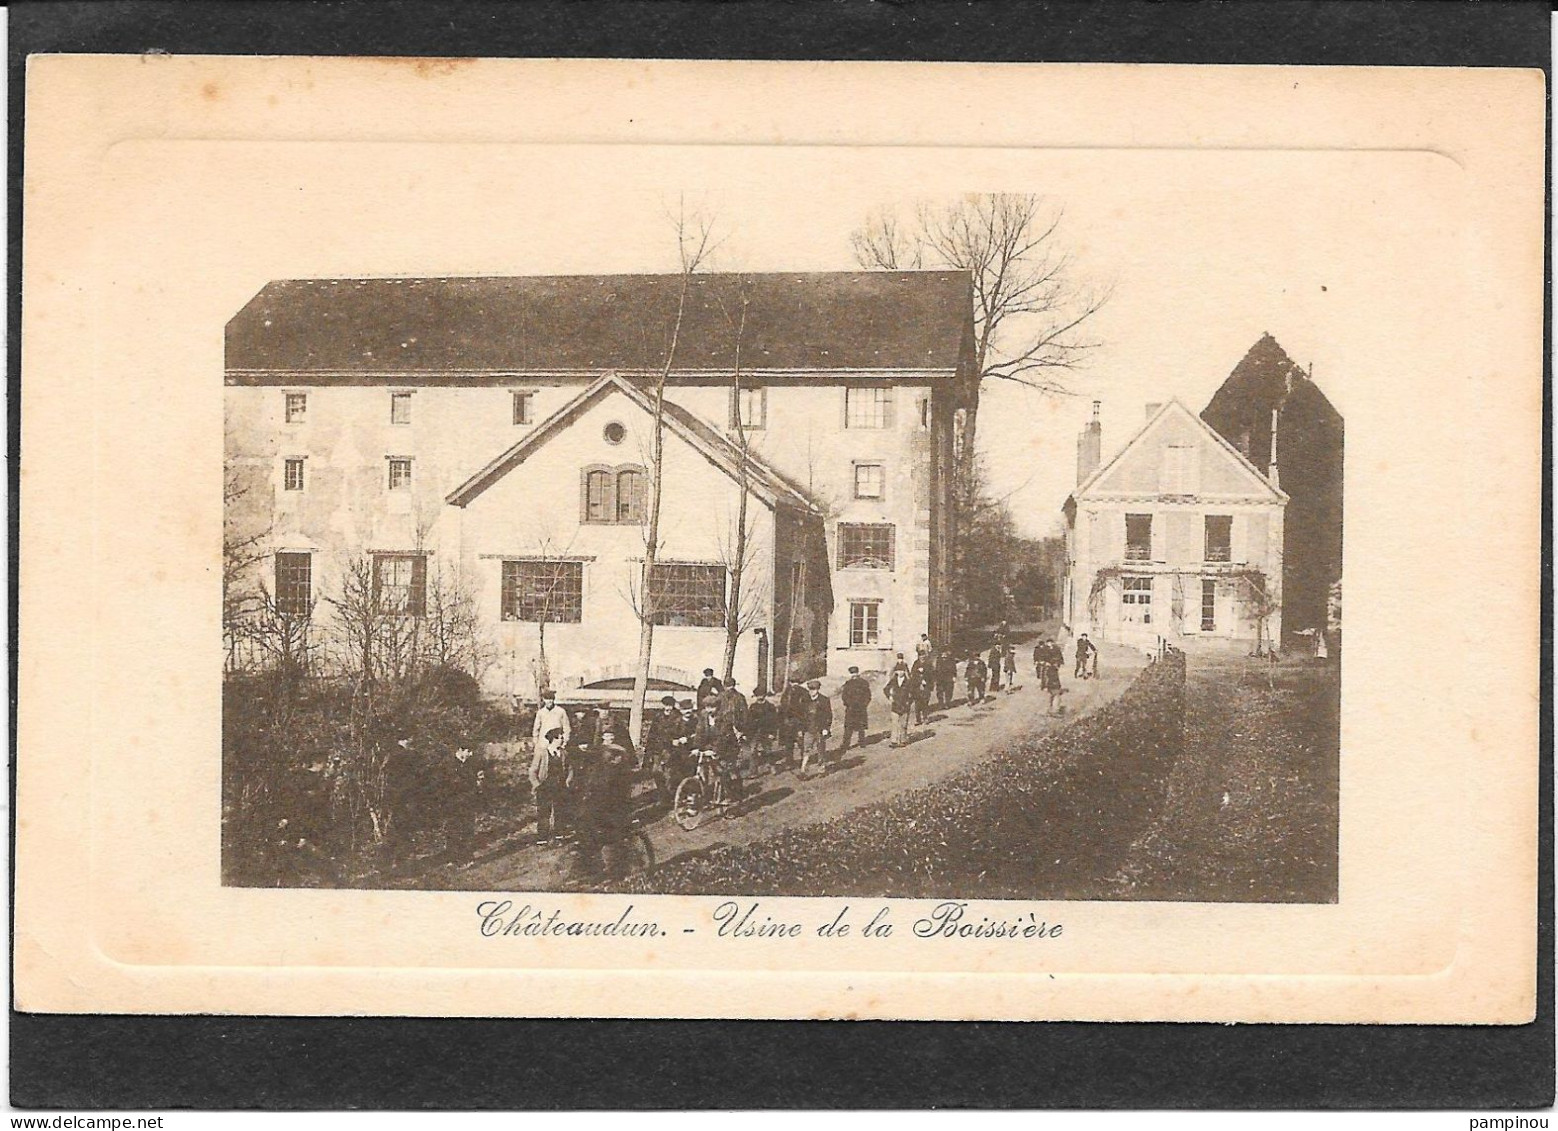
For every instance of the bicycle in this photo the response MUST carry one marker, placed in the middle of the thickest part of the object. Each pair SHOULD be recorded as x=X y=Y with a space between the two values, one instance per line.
x=709 y=788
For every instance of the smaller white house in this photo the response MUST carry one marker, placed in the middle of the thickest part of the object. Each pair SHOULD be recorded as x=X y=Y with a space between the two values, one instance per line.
x=1178 y=536
x=554 y=527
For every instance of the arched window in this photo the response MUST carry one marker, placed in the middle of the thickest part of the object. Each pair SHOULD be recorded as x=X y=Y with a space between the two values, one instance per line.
x=599 y=502
x=630 y=494
x=613 y=495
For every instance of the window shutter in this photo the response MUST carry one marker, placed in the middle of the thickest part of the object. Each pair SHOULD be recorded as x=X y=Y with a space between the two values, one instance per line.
x=377 y=572
x=418 y=602
x=887 y=408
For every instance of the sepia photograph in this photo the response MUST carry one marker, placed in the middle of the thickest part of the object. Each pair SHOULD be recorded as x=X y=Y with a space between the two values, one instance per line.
x=710 y=581
x=779 y=540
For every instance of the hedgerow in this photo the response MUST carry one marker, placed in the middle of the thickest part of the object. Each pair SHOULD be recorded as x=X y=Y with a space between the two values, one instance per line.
x=1048 y=814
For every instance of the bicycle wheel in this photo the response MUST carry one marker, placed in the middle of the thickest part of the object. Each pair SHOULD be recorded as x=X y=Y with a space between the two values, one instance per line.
x=691 y=803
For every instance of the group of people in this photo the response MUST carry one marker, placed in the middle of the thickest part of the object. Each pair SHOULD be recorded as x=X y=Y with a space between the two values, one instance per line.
x=584 y=764
x=581 y=776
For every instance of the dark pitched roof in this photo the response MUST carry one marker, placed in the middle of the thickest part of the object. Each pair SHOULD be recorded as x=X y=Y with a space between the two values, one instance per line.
x=590 y=323
x=766 y=483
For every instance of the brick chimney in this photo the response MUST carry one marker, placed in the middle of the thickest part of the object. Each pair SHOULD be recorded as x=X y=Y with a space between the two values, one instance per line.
x=1090 y=446
x=1271 y=469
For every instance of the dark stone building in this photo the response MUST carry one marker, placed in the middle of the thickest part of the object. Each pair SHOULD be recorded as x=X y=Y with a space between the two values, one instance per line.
x=1272 y=412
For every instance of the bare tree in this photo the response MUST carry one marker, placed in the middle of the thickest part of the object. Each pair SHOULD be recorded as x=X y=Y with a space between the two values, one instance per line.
x=377 y=636
x=1030 y=313
x=454 y=636
x=543 y=593
x=694 y=242
x=739 y=616
x=244 y=543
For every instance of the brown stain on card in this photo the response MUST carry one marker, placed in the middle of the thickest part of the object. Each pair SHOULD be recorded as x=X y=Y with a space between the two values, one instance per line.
x=430 y=67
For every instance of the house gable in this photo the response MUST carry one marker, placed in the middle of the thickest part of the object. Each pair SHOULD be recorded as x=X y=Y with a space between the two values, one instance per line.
x=1215 y=468
x=680 y=426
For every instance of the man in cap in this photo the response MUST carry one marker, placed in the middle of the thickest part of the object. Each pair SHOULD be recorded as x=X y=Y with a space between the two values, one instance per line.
x=856 y=696
x=762 y=728
x=464 y=780
x=731 y=712
x=792 y=718
x=901 y=697
x=548 y=778
x=708 y=687
x=946 y=679
x=549 y=716
x=818 y=728
x=1087 y=663
x=921 y=677
x=659 y=739
x=605 y=816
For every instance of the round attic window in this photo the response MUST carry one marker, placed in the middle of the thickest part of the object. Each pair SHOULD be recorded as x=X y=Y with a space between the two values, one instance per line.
x=614 y=433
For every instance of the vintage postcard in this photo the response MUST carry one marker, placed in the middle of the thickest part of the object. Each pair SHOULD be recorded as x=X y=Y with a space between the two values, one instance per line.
x=612 y=538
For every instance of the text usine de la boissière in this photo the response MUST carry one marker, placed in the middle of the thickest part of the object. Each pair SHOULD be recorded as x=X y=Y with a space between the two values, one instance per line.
x=737 y=919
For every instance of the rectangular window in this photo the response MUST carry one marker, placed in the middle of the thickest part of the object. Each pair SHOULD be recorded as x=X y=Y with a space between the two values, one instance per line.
x=870 y=480
x=294 y=584
x=1219 y=537
x=1136 y=600
x=1138 y=537
x=399 y=473
x=865 y=623
x=400 y=583
x=868 y=406
x=545 y=592
x=400 y=408
x=1181 y=470
x=297 y=408
x=866 y=545
x=688 y=595
x=292 y=475
x=524 y=408
x=1208 y=605
x=749 y=408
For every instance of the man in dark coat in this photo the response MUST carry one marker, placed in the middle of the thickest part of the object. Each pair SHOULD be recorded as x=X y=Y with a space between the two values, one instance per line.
x=605 y=785
x=731 y=710
x=993 y=669
x=708 y=688
x=856 y=696
x=792 y=718
x=1087 y=666
x=900 y=694
x=762 y=728
x=659 y=739
x=975 y=673
x=946 y=679
x=921 y=676
x=818 y=727
x=464 y=774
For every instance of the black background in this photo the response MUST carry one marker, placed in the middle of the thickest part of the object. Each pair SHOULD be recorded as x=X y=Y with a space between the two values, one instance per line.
x=227 y=1062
